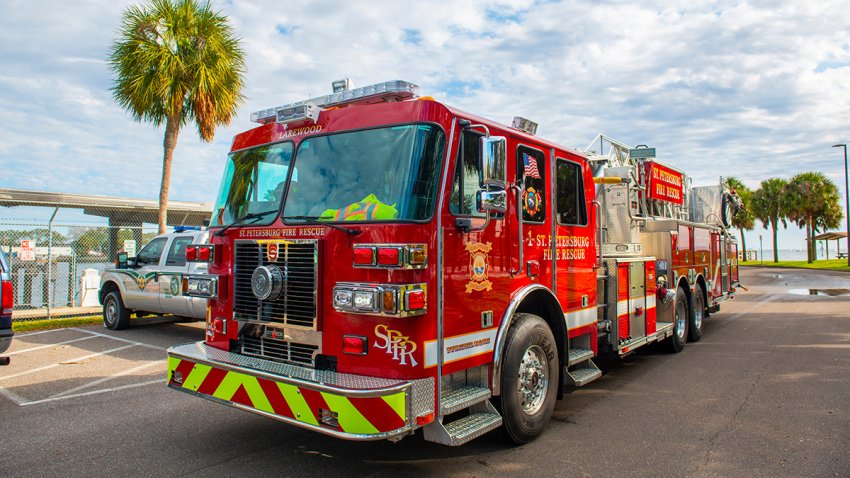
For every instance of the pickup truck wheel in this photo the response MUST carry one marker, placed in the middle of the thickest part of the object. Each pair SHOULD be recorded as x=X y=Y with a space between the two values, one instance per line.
x=529 y=379
x=697 y=314
x=115 y=315
x=681 y=317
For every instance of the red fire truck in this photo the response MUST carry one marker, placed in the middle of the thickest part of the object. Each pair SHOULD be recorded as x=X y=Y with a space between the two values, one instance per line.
x=382 y=262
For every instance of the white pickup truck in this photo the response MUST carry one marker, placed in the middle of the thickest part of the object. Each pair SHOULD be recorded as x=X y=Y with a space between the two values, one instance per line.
x=151 y=282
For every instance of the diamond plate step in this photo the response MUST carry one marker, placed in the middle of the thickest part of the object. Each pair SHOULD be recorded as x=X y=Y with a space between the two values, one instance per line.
x=463 y=397
x=579 y=355
x=471 y=427
x=584 y=374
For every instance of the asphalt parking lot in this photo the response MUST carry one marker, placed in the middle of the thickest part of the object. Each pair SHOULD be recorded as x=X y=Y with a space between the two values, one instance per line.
x=766 y=392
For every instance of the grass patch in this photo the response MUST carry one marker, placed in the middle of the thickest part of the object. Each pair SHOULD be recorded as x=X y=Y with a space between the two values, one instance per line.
x=826 y=265
x=47 y=324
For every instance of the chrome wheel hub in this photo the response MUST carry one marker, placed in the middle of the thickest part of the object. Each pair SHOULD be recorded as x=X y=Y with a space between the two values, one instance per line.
x=680 y=321
x=533 y=380
x=111 y=311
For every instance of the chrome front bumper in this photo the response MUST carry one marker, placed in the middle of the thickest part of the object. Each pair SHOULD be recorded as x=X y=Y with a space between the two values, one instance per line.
x=348 y=406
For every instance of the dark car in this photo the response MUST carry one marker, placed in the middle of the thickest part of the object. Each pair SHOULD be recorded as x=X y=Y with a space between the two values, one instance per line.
x=7 y=300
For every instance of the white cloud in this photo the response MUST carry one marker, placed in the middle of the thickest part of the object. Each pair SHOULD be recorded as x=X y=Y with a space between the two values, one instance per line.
x=755 y=89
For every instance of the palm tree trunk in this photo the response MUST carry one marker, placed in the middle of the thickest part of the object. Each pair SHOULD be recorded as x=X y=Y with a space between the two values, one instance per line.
x=809 y=241
x=775 y=250
x=172 y=129
x=743 y=243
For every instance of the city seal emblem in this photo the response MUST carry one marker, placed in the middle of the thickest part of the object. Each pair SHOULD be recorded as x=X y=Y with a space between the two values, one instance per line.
x=478 y=267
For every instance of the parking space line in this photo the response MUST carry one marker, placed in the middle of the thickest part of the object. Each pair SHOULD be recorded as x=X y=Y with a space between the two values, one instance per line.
x=95 y=392
x=31 y=349
x=47 y=367
x=27 y=334
x=140 y=344
x=19 y=400
x=106 y=379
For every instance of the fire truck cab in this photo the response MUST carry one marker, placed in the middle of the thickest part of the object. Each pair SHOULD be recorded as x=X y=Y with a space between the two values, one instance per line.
x=382 y=262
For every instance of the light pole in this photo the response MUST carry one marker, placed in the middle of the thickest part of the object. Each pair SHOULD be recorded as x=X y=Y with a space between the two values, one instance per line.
x=846 y=198
x=761 y=251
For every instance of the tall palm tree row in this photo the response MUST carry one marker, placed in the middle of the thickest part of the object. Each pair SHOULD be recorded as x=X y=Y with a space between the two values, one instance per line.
x=177 y=62
x=768 y=208
x=811 y=200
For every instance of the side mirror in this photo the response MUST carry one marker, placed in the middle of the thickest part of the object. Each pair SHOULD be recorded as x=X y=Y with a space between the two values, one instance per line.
x=494 y=162
x=492 y=201
x=121 y=261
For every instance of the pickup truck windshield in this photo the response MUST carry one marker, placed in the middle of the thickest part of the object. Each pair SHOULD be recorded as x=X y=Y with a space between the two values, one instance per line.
x=253 y=182
x=384 y=174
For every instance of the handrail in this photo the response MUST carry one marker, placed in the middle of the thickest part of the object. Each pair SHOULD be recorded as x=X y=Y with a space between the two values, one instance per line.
x=598 y=206
x=518 y=195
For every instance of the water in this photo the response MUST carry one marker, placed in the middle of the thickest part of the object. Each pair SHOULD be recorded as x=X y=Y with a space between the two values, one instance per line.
x=825 y=292
x=799 y=254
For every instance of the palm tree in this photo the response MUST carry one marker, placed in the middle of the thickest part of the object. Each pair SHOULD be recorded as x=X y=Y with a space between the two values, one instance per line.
x=811 y=200
x=744 y=220
x=767 y=207
x=176 y=62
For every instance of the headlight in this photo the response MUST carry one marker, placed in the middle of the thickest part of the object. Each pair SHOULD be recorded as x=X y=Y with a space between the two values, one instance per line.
x=364 y=300
x=200 y=286
x=342 y=298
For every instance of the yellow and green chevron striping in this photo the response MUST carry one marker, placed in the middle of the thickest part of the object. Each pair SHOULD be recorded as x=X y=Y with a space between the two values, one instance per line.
x=360 y=416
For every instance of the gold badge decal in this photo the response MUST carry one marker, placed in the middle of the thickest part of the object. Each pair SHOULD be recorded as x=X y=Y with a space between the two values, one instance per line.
x=478 y=267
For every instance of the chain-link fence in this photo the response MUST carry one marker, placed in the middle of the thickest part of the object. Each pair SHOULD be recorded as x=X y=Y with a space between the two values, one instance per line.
x=57 y=254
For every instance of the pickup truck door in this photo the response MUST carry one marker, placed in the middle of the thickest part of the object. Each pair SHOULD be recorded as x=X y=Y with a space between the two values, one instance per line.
x=170 y=277
x=141 y=289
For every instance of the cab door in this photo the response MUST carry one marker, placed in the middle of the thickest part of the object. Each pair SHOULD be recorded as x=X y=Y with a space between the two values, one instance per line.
x=170 y=277
x=141 y=288
x=574 y=254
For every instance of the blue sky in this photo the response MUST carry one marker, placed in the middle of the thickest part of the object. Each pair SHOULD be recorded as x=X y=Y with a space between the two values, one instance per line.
x=751 y=89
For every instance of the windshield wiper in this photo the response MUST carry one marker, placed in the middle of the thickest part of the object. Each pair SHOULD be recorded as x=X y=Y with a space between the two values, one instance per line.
x=315 y=220
x=254 y=215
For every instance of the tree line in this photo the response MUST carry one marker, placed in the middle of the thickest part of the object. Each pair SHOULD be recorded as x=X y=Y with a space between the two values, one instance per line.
x=810 y=200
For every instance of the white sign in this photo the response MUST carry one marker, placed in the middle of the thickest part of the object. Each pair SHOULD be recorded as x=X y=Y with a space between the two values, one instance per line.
x=27 y=250
x=130 y=247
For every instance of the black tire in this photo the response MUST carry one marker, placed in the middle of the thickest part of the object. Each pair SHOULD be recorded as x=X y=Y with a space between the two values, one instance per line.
x=697 y=315
x=529 y=379
x=115 y=315
x=681 y=317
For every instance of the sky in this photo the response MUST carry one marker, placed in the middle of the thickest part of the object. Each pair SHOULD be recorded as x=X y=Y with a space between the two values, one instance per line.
x=720 y=88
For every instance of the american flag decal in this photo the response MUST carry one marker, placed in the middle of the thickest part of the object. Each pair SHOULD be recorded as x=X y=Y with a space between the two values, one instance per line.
x=530 y=166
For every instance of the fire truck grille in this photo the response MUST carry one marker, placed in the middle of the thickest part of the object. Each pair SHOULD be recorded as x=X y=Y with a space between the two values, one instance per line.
x=278 y=350
x=296 y=303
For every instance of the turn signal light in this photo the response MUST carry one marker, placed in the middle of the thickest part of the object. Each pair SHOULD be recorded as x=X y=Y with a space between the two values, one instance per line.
x=417 y=255
x=389 y=256
x=200 y=253
x=364 y=256
x=205 y=253
x=354 y=345
x=414 y=299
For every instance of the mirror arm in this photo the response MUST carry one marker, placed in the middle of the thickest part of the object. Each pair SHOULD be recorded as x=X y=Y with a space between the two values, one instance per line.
x=469 y=125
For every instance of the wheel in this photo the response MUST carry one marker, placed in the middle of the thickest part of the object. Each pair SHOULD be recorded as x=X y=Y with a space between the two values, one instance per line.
x=529 y=379
x=697 y=314
x=680 y=322
x=115 y=315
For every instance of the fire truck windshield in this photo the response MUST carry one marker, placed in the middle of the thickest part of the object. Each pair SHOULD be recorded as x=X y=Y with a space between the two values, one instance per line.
x=383 y=174
x=253 y=185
